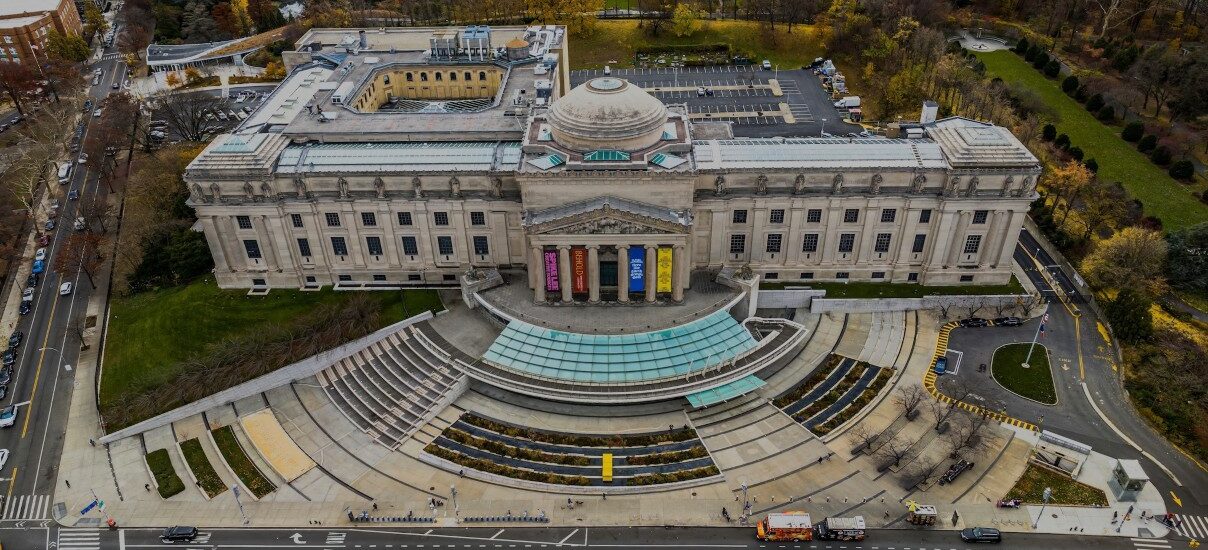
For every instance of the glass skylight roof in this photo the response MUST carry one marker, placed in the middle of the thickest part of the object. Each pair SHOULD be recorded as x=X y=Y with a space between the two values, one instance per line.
x=606 y=155
x=547 y=162
x=666 y=161
x=726 y=392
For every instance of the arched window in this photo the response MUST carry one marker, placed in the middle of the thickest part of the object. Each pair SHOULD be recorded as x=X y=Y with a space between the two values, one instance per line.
x=423 y=77
x=410 y=77
x=469 y=76
x=386 y=80
x=482 y=75
x=438 y=76
x=452 y=76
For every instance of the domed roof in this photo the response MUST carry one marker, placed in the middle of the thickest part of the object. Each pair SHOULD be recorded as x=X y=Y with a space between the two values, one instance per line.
x=517 y=43
x=607 y=113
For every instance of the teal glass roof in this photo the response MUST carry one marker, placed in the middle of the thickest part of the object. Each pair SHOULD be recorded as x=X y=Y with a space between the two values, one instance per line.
x=618 y=358
x=725 y=392
x=606 y=155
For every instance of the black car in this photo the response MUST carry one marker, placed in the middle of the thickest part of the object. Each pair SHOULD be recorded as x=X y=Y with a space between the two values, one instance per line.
x=25 y=308
x=955 y=471
x=3 y=391
x=14 y=341
x=32 y=280
x=6 y=375
x=179 y=533
x=974 y=322
x=981 y=534
x=10 y=357
x=1008 y=322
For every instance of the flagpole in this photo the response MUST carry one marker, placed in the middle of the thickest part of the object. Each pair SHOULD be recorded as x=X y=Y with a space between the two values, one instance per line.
x=1034 y=338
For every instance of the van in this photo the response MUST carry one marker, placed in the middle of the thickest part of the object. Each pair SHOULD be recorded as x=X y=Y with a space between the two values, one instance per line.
x=64 y=173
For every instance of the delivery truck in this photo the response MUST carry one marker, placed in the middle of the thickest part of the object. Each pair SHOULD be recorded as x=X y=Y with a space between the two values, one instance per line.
x=784 y=526
x=840 y=529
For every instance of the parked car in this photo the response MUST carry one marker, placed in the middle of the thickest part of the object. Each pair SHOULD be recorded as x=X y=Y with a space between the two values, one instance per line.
x=40 y=255
x=8 y=416
x=981 y=534
x=32 y=280
x=974 y=322
x=3 y=452
x=96 y=113
x=941 y=365
x=955 y=471
x=73 y=195
x=767 y=65
x=178 y=533
x=10 y=357
x=116 y=84
x=39 y=267
x=27 y=295
x=3 y=394
x=14 y=340
x=83 y=158
x=6 y=375
x=49 y=225
x=65 y=289
x=25 y=308
x=1008 y=322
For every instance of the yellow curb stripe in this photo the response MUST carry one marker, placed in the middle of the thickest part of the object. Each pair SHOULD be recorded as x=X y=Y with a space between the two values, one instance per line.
x=930 y=377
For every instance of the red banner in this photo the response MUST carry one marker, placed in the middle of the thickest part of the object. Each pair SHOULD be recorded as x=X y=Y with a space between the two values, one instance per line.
x=578 y=269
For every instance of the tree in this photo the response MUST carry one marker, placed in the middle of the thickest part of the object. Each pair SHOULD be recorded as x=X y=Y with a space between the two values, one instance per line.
x=974 y=305
x=1133 y=131
x=1129 y=315
x=956 y=389
x=224 y=20
x=1157 y=72
x=920 y=473
x=1182 y=170
x=684 y=20
x=968 y=433
x=198 y=25
x=1106 y=114
x=890 y=455
x=1147 y=143
x=18 y=82
x=1092 y=165
x=1062 y=142
x=1049 y=133
x=579 y=16
x=1076 y=153
x=265 y=15
x=185 y=113
x=1021 y=47
x=134 y=40
x=1160 y=156
x=909 y=398
x=243 y=20
x=66 y=47
x=1069 y=85
x=1042 y=59
x=173 y=80
x=94 y=20
x=1101 y=205
x=80 y=251
x=1186 y=262
x=863 y=438
x=1133 y=258
x=1029 y=303
x=1052 y=69
x=1064 y=183
x=1094 y=103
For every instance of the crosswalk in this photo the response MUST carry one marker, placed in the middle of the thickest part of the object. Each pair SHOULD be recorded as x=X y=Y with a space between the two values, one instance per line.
x=1151 y=544
x=335 y=538
x=1192 y=527
x=79 y=539
x=109 y=56
x=27 y=507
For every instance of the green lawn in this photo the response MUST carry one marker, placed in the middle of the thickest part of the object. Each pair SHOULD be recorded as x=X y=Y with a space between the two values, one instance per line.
x=1035 y=382
x=233 y=453
x=165 y=475
x=1030 y=489
x=202 y=469
x=151 y=333
x=613 y=42
x=1118 y=160
x=896 y=290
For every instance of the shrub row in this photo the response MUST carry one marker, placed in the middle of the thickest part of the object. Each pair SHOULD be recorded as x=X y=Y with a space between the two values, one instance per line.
x=243 y=466
x=834 y=394
x=672 y=477
x=515 y=452
x=639 y=440
x=207 y=478
x=670 y=457
x=165 y=475
x=499 y=469
x=856 y=405
x=810 y=383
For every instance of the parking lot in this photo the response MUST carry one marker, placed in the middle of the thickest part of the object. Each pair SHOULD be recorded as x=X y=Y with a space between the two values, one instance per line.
x=758 y=102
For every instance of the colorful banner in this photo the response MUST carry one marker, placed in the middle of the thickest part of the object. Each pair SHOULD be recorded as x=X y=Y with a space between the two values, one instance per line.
x=551 y=270
x=637 y=270
x=664 y=266
x=578 y=269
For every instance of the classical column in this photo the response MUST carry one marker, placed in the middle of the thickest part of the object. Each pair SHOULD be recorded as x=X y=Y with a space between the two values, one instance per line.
x=564 y=272
x=623 y=273
x=537 y=264
x=593 y=273
x=652 y=271
x=677 y=277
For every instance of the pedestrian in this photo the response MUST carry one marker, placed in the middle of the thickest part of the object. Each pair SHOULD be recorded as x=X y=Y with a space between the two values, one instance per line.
x=603 y=496
x=773 y=499
x=147 y=486
x=68 y=483
x=375 y=506
x=1130 y=509
x=1114 y=516
x=92 y=442
x=886 y=514
x=462 y=472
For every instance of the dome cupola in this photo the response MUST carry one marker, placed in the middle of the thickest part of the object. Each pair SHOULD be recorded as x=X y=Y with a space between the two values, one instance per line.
x=607 y=113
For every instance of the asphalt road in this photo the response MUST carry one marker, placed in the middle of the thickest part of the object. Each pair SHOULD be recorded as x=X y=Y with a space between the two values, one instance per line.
x=42 y=380
x=536 y=538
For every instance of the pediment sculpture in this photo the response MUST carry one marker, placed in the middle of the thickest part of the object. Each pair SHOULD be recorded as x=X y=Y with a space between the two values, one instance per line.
x=799 y=184
x=300 y=187
x=719 y=186
x=609 y=226
x=418 y=187
x=837 y=184
x=1006 y=185
x=455 y=187
x=761 y=185
x=342 y=185
x=199 y=195
x=916 y=186
x=379 y=186
x=875 y=186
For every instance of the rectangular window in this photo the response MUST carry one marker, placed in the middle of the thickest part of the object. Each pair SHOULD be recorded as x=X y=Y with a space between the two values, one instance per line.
x=480 y=245
x=738 y=244
x=440 y=218
x=810 y=243
x=979 y=216
x=912 y=277
x=345 y=278
x=920 y=240
x=842 y=275
x=878 y=274
x=740 y=216
x=925 y=215
x=333 y=219
x=404 y=218
x=966 y=278
x=413 y=277
x=444 y=245
x=888 y=215
x=771 y=276
x=814 y=215
x=373 y=245
x=338 y=246
x=478 y=218
x=972 y=243
x=774 y=242
x=296 y=219
x=379 y=277
x=253 y=249
x=245 y=222
x=882 y=244
x=410 y=247
x=851 y=215
x=847 y=242
x=368 y=219
x=806 y=275
x=304 y=248
x=776 y=216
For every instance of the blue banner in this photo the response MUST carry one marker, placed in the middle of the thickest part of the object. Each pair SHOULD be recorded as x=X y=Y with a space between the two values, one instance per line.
x=637 y=271
x=90 y=506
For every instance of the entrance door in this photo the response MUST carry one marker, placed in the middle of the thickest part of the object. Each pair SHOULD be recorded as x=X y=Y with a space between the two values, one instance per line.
x=608 y=273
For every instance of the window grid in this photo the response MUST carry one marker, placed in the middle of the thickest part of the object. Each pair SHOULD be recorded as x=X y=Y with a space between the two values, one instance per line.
x=404 y=218
x=368 y=219
x=296 y=219
x=882 y=243
x=253 y=249
x=888 y=215
x=304 y=248
x=972 y=244
x=738 y=244
x=740 y=216
x=776 y=216
x=410 y=246
x=851 y=215
x=373 y=245
x=480 y=245
x=478 y=218
x=810 y=243
x=847 y=242
x=925 y=215
x=338 y=246
x=979 y=216
x=774 y=240
x=814 y=215
x=244 y=222
x=920 y=241
x=444 y=245
x=333 y=219
x=440 y=218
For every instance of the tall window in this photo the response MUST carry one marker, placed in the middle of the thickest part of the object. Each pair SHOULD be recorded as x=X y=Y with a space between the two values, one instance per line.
x=851 y=215
x=738 y=244
x=882 y=243
x=253 y=249
x=920 y=241
x=373 y=245
x=925 y=215
x=776 y=216
x=410 y=247
x=814 y=215
x=740 y=216
x=368 y=219
x=296 y=219
x=333 y=219
x=404 y=218
x=304 y=248
x=440 y=218
x=972 y=244
x=810 y=243
x=774 y=240
x=888 y=215
x=979 y=216
x=847 y=242
x=468 y=76
x=338 y=246
x=478 y=218
x=480 y=245
x=444 y=245
x=244 y=222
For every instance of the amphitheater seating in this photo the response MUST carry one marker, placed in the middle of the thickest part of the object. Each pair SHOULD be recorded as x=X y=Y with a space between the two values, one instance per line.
x=392 y=387
x=700 y=344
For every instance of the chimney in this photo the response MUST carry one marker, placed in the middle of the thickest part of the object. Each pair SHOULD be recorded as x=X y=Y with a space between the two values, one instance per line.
x=364 y=40
x=930 y=110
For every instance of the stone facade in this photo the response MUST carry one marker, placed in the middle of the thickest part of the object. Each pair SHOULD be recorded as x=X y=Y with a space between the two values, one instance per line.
x=26 y=24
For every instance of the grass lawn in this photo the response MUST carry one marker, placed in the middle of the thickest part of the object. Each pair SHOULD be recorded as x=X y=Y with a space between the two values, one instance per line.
x=202 y=469
x=1030 y=489
x=617 y=40
x=240 y=463
x=151 y=333
x=1035 y=382
x=896 y=290
x=165 y=475
x=1118 y=160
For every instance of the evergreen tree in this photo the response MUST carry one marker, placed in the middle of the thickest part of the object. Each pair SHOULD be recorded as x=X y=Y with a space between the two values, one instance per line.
x=1147 y=143
x=1133 y=131
x=1049 y=133
x=1129 y=315
x=1069 y=85
x=1182 y=170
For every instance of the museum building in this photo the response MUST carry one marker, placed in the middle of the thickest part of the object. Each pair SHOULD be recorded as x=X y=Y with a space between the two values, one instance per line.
x=404 y=157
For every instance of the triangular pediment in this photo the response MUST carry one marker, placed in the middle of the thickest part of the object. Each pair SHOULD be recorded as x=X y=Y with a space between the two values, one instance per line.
x=600 y=224
x=607 y=216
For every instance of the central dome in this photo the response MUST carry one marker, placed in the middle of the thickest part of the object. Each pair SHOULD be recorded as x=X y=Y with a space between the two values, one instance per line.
x=607 y=113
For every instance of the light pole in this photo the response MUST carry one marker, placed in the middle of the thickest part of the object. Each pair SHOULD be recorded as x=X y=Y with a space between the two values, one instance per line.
x=1039 y=331
x=1048 y=493
x=823 y=134
x=453 y=493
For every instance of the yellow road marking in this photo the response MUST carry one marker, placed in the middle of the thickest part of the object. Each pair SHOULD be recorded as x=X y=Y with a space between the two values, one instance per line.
x=11 y=481
x=1078 y=346
x=38 y=373
x=1176 y=498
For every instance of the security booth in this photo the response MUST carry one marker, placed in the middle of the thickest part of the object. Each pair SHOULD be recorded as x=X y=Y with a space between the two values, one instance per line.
x=1127 y=480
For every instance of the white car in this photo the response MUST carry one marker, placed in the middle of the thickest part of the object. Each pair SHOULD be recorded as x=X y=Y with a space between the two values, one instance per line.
x=83 y=158
x=27 y=295
x=96 y=113
x=40 y=255
x=65 y=289
x=8 y=416
x=3 y=458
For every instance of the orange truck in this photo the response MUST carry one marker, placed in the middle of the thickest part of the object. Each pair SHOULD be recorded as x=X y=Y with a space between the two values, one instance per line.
x=785 y=526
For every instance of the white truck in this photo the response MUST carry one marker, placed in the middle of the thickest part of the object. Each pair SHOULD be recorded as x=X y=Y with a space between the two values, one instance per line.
x=848 y=102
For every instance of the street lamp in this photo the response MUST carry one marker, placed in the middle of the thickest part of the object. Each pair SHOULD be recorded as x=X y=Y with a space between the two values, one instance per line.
x=823 y=134
x=1048 y=493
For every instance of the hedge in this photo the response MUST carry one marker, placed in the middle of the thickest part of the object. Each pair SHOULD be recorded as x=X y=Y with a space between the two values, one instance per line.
x=166 y=479
x=667 y=458
x=238 y=460
x=672 y=477
x=207 y=478
x=639 y=440
x=808 y=384
x=499 y=469
x=502 y=449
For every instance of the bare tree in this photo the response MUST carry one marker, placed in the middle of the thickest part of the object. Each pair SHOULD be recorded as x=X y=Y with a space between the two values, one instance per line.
x=96 y=212
x=968 y=434
x=974 y=305
x=1001 y=307
x=1029 y=303
x=890 y=455
x=920 y=473
x=187 y=114
x=909 y=398
x=863 y=438
x=958 y=390
x=80 y=251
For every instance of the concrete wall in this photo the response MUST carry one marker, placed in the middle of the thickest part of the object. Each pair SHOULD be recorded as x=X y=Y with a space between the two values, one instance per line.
x=863 y=305
x=788 y=298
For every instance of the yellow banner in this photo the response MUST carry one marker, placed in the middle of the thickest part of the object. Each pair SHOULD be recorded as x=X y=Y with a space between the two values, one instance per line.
x=664 y=270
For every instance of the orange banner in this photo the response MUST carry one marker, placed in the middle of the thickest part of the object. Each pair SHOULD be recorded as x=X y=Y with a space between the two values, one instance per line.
x=578 y=269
